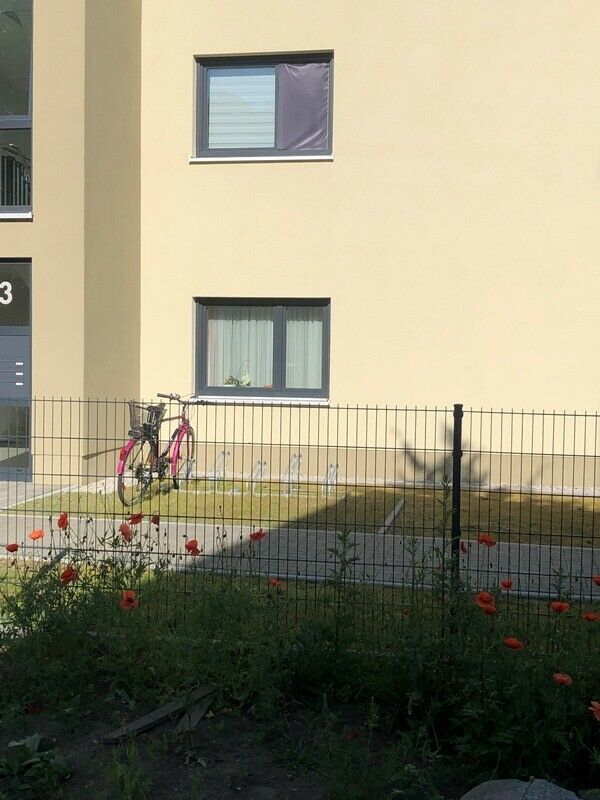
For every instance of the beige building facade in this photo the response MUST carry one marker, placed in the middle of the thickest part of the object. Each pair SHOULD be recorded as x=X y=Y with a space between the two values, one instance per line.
x=428 y=234
x=454 y=228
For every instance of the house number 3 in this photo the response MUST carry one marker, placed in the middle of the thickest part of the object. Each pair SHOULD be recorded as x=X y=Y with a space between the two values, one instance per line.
x=6 y=296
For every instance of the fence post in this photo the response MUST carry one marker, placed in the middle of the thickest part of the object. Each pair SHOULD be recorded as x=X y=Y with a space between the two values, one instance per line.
x=456 y=478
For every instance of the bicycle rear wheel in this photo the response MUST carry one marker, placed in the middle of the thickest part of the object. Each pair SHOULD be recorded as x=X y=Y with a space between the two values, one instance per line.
x=135 y=482
x=185 y=461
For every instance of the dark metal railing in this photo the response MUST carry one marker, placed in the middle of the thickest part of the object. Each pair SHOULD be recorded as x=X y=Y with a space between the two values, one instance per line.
x=15 y=178
x=421 y=498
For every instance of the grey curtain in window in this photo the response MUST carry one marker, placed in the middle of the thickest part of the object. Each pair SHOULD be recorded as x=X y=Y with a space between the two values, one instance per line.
x=302 y=106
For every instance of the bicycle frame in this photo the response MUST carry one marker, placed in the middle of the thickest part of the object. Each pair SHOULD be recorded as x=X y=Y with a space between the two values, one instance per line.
x=173 y=446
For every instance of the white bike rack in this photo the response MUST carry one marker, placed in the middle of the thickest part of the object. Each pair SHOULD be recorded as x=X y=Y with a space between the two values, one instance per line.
x=219 y=471
x=291 y=478
x=331 y=479
x=259 y=474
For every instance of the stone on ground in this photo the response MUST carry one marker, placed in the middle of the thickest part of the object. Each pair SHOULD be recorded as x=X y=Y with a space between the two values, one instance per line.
x=518 y=790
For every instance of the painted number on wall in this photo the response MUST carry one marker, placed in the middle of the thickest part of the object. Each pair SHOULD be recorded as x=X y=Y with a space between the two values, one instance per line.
x=15 y=291
x=6 y=296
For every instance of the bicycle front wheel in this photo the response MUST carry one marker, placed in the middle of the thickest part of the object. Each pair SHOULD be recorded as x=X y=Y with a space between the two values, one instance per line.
x=185 y=459
x=135 y=481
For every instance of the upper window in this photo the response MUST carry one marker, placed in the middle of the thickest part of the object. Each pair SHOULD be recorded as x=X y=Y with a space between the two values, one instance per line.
x=15 y=105
x=264 y=106
x=263 y=348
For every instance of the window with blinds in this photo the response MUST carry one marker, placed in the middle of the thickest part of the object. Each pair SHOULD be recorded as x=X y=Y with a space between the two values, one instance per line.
x=264 y=106
x=241 y=107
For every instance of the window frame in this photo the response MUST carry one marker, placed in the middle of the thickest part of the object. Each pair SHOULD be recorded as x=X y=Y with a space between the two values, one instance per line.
x=22 y=122
x=202 y=105
x=279 y=348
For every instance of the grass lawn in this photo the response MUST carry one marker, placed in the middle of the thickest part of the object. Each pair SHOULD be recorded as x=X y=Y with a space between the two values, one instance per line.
x=168 y=597
x=509 y=516
x=376 y=612
x=358 y=507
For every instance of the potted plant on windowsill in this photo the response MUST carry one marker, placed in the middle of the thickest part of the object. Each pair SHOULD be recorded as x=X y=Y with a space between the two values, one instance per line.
x=243 y=380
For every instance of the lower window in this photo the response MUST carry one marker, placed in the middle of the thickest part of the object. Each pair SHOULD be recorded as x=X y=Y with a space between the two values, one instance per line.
x=263 y=348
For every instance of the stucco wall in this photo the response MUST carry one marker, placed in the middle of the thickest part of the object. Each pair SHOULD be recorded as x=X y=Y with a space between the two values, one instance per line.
x=456 y=229
x=112 y=198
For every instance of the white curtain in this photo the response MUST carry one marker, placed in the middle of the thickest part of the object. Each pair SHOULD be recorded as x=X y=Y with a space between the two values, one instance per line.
x=304 y=348
x=241 y=107
x=240 y=346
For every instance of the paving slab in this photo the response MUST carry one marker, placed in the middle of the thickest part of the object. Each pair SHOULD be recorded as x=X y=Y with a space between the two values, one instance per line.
x=300 y=552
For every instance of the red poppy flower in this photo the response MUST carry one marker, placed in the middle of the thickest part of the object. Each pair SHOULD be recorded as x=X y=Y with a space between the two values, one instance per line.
x=63 y=521
x=596 y=580
x=486 y=539
x=155 y=520
x=595 y=709
x=68 y=575
x=513 y=643
x=125 y=531
x=12 y=547
x=135 y=519
x=463 y=547
x=128 y=600
x=275 y=582
x=484 y=599
x=33 y=708
x=590 y=616
x=488 y=608
x=559 y=606
x=507 y=584
x=192 y=547
x=34 y=535
x=256 y=536
x=562 y=678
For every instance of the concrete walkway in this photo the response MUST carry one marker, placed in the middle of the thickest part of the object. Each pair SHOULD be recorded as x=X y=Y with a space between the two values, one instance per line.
x=305 y=554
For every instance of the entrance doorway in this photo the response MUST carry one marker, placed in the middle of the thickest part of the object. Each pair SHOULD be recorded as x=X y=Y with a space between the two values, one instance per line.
x=15 y=370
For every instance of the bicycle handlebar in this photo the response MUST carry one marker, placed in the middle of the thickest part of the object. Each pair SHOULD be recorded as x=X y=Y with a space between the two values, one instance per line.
x=188 y=400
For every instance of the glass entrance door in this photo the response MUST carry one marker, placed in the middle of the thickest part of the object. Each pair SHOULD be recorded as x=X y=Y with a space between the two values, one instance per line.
x=15 y=370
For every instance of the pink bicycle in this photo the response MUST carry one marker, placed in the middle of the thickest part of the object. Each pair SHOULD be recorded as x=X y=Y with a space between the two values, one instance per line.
x=141 y=462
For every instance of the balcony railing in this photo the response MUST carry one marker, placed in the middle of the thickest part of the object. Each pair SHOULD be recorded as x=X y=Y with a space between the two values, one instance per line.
x=15 y=178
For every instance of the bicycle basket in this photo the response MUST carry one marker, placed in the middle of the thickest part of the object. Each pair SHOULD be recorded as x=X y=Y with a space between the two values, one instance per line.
x=145 y=418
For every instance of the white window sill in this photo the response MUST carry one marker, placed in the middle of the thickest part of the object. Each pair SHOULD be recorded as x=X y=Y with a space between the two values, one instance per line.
x=270 y=401
x=257 y=159
x=16 y=215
